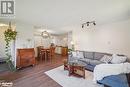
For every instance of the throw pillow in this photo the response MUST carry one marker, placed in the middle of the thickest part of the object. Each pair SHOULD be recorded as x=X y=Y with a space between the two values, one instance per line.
x=118 y=59
x=80 y=54
x=74 y=54
x=106 y=59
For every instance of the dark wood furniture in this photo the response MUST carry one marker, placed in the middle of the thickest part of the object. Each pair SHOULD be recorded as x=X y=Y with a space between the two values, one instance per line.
x=45 y=54
x=48 y=54
x=77 y=70
x=64 y=51
x=66 y=65
x=52 y=49
x=42 y=54
x=25 y=57
x=39 y=51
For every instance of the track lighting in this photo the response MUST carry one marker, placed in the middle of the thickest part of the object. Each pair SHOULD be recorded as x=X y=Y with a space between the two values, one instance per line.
x=88 y=23
x=82 y=25
x=94 y=23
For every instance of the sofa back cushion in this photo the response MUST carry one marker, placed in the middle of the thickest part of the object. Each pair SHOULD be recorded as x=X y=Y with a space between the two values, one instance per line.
x=99 y=55
x=74 y=54
x=77 y=54
x=89 y=55
x=80 y=54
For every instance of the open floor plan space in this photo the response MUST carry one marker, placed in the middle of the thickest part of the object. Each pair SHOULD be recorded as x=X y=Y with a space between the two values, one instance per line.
x=64 y=43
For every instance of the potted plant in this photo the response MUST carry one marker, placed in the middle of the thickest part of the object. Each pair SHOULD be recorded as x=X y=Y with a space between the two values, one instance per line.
x=10 y=35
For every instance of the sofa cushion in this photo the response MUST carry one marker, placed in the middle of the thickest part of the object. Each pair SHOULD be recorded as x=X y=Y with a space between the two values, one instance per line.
x=98 y=55
x=90 y=67
x=95 y=62
x=74 y=54
x=87 y=61
x=80 y=54
x=89 y=55
x=72 y=58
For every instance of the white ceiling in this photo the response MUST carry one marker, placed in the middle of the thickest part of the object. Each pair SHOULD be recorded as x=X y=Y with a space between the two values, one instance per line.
x=57 y=14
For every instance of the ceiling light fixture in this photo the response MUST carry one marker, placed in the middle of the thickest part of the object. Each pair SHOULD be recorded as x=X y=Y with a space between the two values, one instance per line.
x=88 y=23
x=45 y=34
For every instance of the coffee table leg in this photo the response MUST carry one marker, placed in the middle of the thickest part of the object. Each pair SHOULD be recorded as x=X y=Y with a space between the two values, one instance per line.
x=70 y=70
x=84 y=73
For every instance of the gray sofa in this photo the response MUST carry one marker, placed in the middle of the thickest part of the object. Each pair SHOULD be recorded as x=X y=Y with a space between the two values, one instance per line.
x=90 y=59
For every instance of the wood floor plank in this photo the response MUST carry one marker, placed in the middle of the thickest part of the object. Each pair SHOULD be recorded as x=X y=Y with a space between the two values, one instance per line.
x=34 y=76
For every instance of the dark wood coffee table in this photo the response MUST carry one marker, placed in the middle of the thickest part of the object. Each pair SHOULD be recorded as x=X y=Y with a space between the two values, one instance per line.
x=76 y=69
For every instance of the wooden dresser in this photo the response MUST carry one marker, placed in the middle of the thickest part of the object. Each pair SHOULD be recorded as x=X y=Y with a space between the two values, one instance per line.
x=25 y=57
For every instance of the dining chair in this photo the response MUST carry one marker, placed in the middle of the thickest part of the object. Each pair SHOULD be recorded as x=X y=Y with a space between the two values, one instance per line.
x=52 y=49
x=42 y=54
x=48 y=54
x=39 y=51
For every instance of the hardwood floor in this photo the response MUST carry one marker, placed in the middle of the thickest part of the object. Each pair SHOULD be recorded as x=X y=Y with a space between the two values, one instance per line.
x=34 y=76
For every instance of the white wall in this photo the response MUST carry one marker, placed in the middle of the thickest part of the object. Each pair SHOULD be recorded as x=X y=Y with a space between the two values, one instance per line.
x=110 y=38
x=61 y=40
x=25 y=32
x=69 y=39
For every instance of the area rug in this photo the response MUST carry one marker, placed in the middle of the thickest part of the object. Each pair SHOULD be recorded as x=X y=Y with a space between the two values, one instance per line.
x=61 y=77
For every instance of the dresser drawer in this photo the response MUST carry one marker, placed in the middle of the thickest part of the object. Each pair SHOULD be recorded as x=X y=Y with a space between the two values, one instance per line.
x=27 y=62
x=24 y=62
x=26 y=56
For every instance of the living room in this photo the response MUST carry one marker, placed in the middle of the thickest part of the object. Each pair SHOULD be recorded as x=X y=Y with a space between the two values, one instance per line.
x=66 y=30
